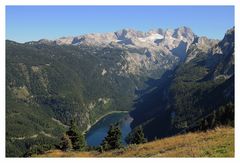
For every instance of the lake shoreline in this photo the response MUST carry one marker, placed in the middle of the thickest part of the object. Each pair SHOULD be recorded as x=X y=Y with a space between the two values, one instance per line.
x=101 y=117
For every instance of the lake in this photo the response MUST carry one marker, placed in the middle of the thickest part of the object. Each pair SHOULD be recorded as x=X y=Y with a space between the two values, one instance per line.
x=97 y=132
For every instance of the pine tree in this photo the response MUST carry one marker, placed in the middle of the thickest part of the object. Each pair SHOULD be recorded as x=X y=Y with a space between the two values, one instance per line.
x=204 y=125
x=77 y=138
x=80 y=144
x=113 y=139
x=212 y=120
x=65 y=143
x=104 y=146
x=137 y=136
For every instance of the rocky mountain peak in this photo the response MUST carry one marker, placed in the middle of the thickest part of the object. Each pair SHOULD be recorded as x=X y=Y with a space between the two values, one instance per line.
x=130 y=37
x=128 y=33
x=228 y=41
x=203 y=45
x=173 y=42
x=200 y=45
x=154 y=31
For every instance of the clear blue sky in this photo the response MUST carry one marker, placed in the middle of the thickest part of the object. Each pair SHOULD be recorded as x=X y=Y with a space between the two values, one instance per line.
x=26 y=23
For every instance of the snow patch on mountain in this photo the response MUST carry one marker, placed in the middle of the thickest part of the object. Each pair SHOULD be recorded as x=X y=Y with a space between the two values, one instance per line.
x=103 y=72
x=151 y=38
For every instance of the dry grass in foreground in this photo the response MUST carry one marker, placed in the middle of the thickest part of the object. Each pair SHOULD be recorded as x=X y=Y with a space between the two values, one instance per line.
x=213 y=143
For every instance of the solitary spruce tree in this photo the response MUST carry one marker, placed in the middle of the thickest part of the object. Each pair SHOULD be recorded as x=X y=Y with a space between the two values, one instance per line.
x=65 y=143
x=76 y=137
x=113 y=139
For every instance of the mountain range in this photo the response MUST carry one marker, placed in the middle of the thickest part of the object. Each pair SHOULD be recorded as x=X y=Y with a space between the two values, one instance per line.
x=156 y=47
x=169 y=80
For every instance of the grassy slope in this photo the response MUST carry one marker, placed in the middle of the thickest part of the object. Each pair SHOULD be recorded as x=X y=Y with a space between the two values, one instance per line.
x=214 y=143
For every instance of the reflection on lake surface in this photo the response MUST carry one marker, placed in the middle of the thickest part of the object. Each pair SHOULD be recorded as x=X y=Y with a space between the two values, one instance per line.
x=97 y=132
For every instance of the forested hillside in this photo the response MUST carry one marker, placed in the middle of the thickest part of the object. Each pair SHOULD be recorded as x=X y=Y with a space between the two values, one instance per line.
x=196 y=95
x=48 y=85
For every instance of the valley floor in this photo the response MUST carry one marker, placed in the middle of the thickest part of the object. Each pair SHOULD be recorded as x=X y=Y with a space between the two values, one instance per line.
x=213 y=143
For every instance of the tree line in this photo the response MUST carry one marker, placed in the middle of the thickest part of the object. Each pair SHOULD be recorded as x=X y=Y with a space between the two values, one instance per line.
x=73 y=139
x=224 y=115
